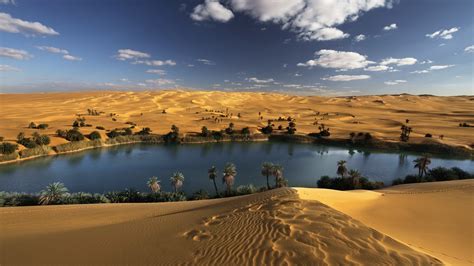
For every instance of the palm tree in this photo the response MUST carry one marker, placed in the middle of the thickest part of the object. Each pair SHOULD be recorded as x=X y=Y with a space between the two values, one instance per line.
x=212 y=172
x=341 y=168
x=53 y=193
x=354 y=175
x=154 y=184
x=267 y=170
x=229 y=176
x=277 y=172
x=177 y=180
x=422 y=164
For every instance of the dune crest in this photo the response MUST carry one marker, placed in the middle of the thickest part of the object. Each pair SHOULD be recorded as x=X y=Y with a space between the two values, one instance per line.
x=288 y=230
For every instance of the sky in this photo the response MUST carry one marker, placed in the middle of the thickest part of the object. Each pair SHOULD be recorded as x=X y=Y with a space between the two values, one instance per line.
x=308 y=47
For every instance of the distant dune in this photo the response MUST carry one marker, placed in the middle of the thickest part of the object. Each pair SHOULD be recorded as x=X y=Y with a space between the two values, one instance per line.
x=429 y=223
x=382 y=115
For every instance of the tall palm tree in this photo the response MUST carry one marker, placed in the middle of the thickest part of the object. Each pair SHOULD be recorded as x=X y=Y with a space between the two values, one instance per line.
x=354 y=175
x=53 y=193
x=341 y=168
x=212 y=172
x=267 y=170
x=154 y=184
x=422 y=164
x=229 y=176
x=277 y=172
x=177 y=180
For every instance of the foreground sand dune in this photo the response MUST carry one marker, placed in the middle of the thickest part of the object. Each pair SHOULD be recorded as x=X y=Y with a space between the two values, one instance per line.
x=403 y=225
x=382 y=116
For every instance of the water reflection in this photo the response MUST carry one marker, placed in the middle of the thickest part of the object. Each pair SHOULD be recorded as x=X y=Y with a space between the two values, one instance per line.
x=120 y=167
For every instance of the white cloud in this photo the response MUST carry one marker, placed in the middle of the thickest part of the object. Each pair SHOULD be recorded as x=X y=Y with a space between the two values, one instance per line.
x=71 y=57
x=426 y=62
x=359 y=38
x=395 y=82
x=159 y=82
x=377 y=68
x=15 y=25
x=52 y=49
x=346 y=77
x=469 y=49
x=7 y=68
x=440 y=67
x=420 y=71
x=190 y=65
x=14 y=53
x=156 y=71
x=298 y=75
x=310 y=19
x=431 y=68
x=337 y=59
x=155 y=62
x=256 y=80
x=124 y=80
x=56 y=50
x=392 y=26
x=211 y=10
x=7 y=2
x=206 y=61
x=129 y=54
x=399 y=61
x=443 y=34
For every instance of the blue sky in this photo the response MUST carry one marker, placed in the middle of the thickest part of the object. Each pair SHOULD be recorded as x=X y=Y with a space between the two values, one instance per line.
x=315 y=47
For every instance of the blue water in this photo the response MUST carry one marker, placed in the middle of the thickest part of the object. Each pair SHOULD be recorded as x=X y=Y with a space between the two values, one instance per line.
x=130 y=166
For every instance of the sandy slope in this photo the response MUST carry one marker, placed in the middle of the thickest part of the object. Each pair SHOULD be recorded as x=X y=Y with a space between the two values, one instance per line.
x=379 y=115
x=435 y=218
x=409 y=224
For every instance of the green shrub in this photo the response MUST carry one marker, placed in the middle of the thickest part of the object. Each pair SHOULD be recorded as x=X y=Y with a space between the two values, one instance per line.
x=8 y=148
x=18 y=199
x=74 y=135
x=94 y=135
x=77 y=145
x=200 y=195
x=39 y=150
x=42 y=126
x=246 y=189
x=345 y=183
x=9 y=157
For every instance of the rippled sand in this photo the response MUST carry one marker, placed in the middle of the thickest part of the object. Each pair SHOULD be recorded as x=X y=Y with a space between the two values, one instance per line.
x=382 y=116
x=403 y=225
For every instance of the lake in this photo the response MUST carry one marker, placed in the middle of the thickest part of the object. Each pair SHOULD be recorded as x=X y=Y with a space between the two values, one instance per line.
x=130 y=166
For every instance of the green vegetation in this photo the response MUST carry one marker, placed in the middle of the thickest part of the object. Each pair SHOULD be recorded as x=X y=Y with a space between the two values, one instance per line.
x=432 y=175
x=35 y=140
x=348 y=180
x=212 y=173
x=71 y=135
x=39 y=150
x=77 y=145
x=406 y=130
x=172 y=136
x=228 y=179
x=268 y=129
x=291 y=129
x=154 y=184
x=177 y=180
x=94 y=135
x=8 y=148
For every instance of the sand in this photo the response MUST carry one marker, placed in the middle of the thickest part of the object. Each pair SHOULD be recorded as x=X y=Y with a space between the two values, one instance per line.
x=403 y=225
x=382 y=116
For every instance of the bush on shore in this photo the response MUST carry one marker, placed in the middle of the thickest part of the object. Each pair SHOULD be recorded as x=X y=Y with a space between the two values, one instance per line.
x=344 y=183
x=8 y=148
x=40 y=150
x=9 y=157
x=435 y=174
x=77 y=145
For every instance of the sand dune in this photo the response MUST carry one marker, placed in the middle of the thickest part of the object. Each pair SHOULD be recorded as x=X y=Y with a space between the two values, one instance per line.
x=405 y=225
x=379 y=115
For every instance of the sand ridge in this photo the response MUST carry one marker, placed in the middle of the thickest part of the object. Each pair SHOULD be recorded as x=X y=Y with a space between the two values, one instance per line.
x=381 y=115
x=392 y=226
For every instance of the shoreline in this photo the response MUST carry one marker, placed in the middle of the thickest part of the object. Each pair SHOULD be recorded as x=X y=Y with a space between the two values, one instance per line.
x=433 y=148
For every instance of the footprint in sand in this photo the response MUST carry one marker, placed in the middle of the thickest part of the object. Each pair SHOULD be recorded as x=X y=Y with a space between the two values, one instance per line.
x=197 y=235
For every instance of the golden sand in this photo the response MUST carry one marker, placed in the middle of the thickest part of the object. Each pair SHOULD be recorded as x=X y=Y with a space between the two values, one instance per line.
x=382 y=116
x=403 y=225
